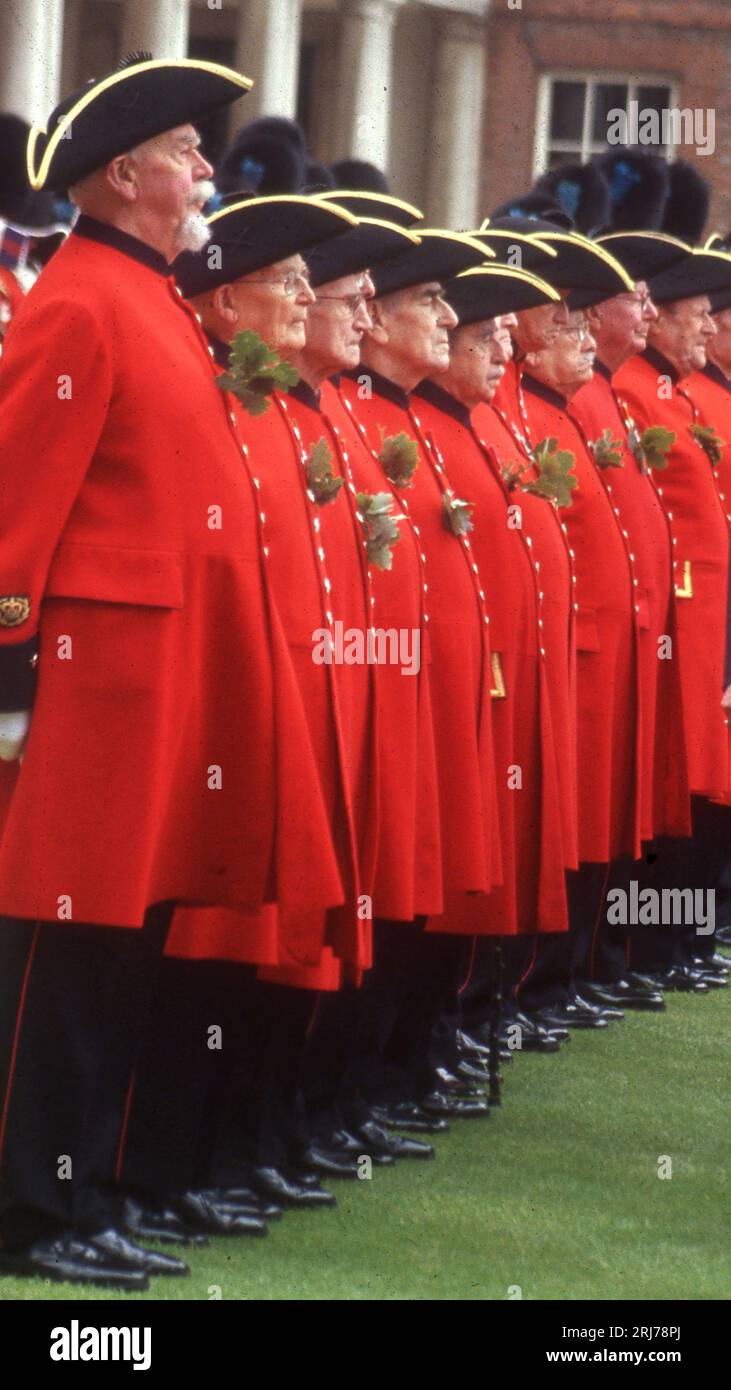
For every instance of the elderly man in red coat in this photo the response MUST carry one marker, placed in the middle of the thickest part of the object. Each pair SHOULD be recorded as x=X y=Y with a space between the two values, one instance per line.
x=620 y=327
x=654 y=387
x=133 y=580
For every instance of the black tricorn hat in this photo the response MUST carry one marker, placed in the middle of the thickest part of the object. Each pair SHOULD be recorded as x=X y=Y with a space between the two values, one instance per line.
x=638 y=188
x=440 y=256
x=22 y=207
x=644 y=254
x=532 y=253
x=720 y=299
x=688 y=203
x=358 y=249
x=698 y=273
x=581 y=190
x=358 y=173
x=363 y=203
x=490 y=290
x=587 y=270
x=254 y=233
x=113 y=114
x=533 y=207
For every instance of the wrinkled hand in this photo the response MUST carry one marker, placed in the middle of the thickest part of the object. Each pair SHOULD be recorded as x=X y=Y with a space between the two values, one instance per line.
x=13 y=733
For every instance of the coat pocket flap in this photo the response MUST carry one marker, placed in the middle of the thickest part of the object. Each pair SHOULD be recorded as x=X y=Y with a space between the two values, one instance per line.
x=587 y=632
x=112 y=574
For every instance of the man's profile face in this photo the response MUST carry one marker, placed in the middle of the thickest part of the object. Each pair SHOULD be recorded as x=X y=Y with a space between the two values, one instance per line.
x=683 y=331
x=538 y=328
x=624 y=321
x=568 y=362
x=477 y=358
x=274 y=302
x=418 y=322
x=173 y=182
x=338 y=320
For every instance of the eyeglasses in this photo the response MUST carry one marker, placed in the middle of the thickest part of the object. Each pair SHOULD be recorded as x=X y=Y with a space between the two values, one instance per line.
x=575 y=331
x=353 y=302
x=290 y=283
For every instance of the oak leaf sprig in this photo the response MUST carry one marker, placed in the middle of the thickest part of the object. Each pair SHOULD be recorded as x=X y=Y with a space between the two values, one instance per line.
x=398 y=457
x=457 y=514
x=706 y=436
x=651 y=448
x=321 y=481
x=255 y=372
x=607 y=451
x=556 y=479
x=379 y=527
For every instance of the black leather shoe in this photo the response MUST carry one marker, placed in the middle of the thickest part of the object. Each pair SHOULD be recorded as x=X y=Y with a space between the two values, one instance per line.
x=713 y=962
x=607 y=1011
x=569 y=1016
x=479 y=1044
x=157 y=1223
x=245 y=1201
x=453 y=1107
x=330 y=1162
x=624 y=994
x=216 y=1219
x=686 y=981
x=69 y=1258
x=340 y=1143
x=395 y=1144
x=406 y=1115
x=651 y=980
x=534 y=1037
x=471 y=1071
x=287 y=1191
x=122 y=1251
x=461 y=1085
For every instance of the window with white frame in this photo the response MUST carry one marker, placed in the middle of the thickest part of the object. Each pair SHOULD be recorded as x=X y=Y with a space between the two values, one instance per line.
x=574 y=112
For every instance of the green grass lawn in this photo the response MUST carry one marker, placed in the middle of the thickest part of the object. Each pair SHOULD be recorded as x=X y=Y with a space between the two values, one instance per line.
x=558 y=1192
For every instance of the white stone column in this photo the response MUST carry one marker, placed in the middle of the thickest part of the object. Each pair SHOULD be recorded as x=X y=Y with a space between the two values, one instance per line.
x=30 y=58
x=364 y=80
x=159 y=27
x=454 y=149
x=268 y=49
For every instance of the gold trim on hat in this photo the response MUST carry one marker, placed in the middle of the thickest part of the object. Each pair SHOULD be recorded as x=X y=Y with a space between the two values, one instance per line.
x=37 y=177
x=517 y=237
x=332 y=194
x=576 y=239
x=285 y=198
x=513 y=273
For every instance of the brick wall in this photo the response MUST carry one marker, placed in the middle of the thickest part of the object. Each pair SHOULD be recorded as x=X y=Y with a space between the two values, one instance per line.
x=687 y=40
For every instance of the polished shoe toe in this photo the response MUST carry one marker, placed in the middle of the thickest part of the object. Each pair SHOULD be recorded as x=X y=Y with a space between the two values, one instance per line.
x=289 y=1191
x=69 y=1258
x=121 y=1250
x=216 y=1218
x=453 y=1107
x=410 y=1117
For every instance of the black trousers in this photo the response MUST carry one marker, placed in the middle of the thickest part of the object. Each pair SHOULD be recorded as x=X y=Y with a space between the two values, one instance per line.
x=699 y=863
x=217 y=1086
x=560 y=959
x=74 y=1005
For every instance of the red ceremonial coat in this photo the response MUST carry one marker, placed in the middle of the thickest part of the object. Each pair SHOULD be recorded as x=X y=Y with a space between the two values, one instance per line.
x=458 y=650
x=689 y=496
x=408 y=880
x=317 y=566
x=665 y=798
x=11 y=298
x=710 y=392
x=606 y=617
x=532 y=896
x=167 y=721
x=504 y=443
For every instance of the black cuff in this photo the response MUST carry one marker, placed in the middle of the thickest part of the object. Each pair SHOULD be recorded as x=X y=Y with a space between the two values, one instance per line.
x=18 y=675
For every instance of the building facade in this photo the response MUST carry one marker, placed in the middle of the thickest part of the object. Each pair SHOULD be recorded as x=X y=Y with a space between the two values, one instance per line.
x=463 y=102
